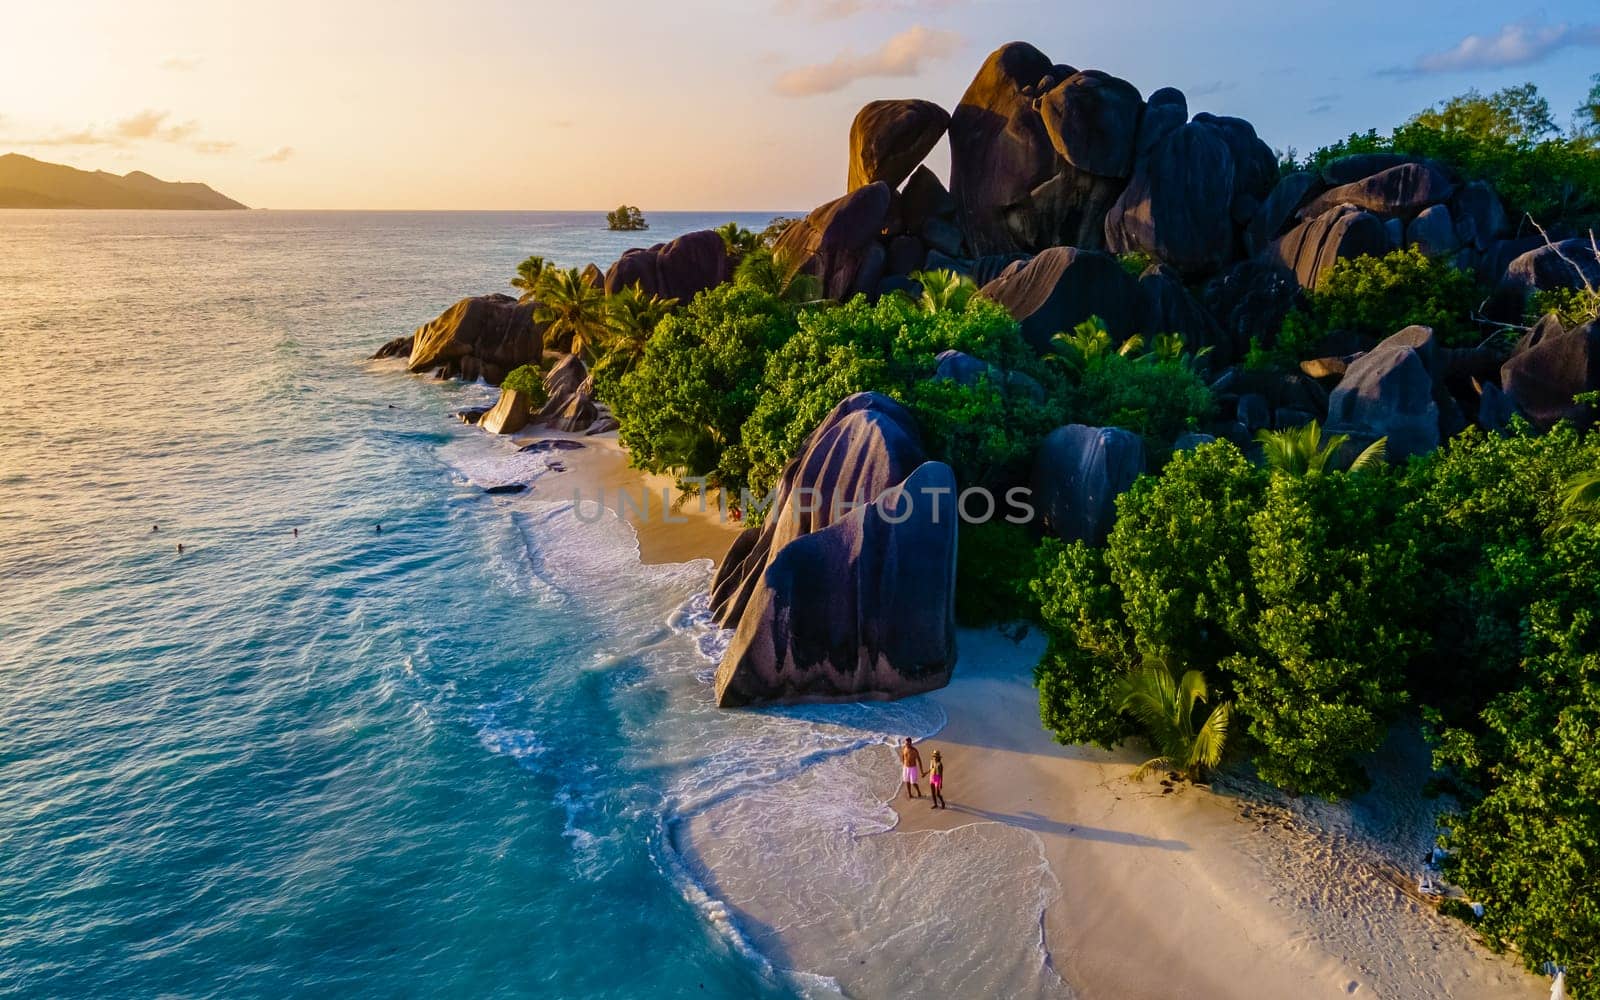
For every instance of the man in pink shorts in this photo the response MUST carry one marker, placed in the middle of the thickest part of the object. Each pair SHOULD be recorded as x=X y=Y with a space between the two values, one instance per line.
x=911 y=762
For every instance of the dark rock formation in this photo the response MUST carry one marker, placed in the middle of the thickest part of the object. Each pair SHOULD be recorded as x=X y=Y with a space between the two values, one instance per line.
x=1352 y=168
x=1279 y=208
x=1389 y=392
x=1548 y=368
x=1165 y=306
x=481 y=337
x=999 y=148
x=399 y=347
x=889 y=139
x=1190 y=194
x=1401 y=190
x=1479 y=216
x=676 y=270
x=1061 y=288
x=1311 y=248
x=1078 y=473
x=1567 y=264
x=839 y=240
x=1250 y=299
x=1092 y=119
x=1433 y=232
x=847 y=590
x=502 y=489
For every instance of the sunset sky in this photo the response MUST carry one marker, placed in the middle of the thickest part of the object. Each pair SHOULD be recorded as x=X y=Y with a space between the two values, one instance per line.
x=684 y=104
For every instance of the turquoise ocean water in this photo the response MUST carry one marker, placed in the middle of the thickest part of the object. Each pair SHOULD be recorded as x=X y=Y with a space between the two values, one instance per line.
x=473 y=754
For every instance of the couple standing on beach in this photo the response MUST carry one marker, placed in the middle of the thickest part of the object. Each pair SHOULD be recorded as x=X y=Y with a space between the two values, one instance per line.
x=911 y=774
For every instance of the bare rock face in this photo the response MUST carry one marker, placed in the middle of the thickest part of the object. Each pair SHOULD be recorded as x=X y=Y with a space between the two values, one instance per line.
x=838 y=241
x=481 y=337
x=847 y=591
x=1249 y=299
x=675 y=270
x=889 y=139
x=1311 y=248
x=1165 y=306
x=1565 y=264
x=1178 y=205
x=1433 y=232
x=1479 y=216
x=1280 y=206
x=569 y=397
x=1078 y=473
x=1548 y=368
x=1062 y=287
x=1400 y=190
x=1092 y=119
x=509 y=414
x=1389 y=392
x=1000 y=150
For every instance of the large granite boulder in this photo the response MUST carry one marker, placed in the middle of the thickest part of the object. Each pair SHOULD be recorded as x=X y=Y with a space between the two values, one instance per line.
x=1400 y=190
x=675 y=270
x=838 y=242
x=1078 y=473
x=569 y=397
x=1191 y=193
x=1165 y=306
x=1354 y=167
x=1551 y=366
x=1062 y=287
x=1311 y=248
x=1479 y=216
x=481 y=337
x=1092 y=119
x=1433 y=232
x=847 y=591
x=1566 y=264
x=509 y=414
x=889 y=139
x=1389 y=392
x=1251 y=300
x=1000 y=150
x=1278 y=210
x=925 y=199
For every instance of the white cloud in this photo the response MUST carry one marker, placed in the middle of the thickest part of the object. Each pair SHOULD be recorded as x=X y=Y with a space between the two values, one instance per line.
x=181 y=64
x=145 y=126
x=1521 y=43
x=833 y=10
x=278 y=155
x=902 y=55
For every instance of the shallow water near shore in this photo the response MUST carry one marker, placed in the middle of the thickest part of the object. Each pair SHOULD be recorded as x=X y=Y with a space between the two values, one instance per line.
x=473 y=753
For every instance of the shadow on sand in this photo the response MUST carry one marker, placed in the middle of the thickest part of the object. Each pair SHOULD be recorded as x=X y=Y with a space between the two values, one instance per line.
x=1043 y=824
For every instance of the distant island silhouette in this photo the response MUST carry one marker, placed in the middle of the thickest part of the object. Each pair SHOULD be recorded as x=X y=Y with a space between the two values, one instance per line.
x=29 y=183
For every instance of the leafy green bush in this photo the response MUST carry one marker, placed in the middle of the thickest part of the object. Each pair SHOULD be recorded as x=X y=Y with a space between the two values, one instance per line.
x=529 y=381
x=1292 y=592
x=1571 y=305
x=1157 y=392
x=983 y=431
x=682 y=407
x=1377 y=296
x=994 y=564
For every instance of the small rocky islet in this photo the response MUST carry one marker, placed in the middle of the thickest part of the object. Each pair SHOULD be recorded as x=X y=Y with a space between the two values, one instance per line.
x=1057 y=177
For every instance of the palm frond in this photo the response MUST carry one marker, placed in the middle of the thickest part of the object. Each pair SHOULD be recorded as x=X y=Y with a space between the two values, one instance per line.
x=1206 y=751
x=1372 y=456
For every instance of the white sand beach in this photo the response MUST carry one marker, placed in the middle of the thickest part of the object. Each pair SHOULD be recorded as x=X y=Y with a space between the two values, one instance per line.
x=1185 y=892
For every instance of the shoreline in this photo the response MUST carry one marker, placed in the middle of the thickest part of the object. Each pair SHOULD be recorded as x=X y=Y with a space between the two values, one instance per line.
x=1184 y=891
x=599 y=469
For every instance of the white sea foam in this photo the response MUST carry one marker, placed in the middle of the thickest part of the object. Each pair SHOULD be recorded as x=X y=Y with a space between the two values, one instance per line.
x=771 y=821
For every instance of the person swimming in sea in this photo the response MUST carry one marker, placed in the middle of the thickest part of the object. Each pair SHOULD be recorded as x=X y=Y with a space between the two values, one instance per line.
x=936 y=781
x=911 y=764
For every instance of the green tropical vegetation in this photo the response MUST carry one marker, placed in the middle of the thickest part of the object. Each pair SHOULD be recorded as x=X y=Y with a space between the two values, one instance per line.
x=1165 y=706
x=529 y=273
x=529 y=381
x=573 y=311
x=626 y=218
x=1375 y=296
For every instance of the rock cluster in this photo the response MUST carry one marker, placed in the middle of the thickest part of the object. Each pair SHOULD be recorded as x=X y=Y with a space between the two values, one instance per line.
x=481 y=337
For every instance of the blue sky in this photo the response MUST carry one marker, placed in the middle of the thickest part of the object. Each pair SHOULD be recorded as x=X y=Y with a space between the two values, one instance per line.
x=691 y=104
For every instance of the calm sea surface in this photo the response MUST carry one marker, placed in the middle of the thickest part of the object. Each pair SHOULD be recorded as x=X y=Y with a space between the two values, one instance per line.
x=467 y=755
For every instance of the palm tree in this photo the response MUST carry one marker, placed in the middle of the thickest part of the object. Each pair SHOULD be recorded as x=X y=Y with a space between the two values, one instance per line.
x=944 y=290
x=1301 y=451
x=528 y=274
x=573 y=309
x=1088 y=344
x=631 y=317
x=739 y=240
x=1165 y=706
x=1580 y=500
x=778 y=274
